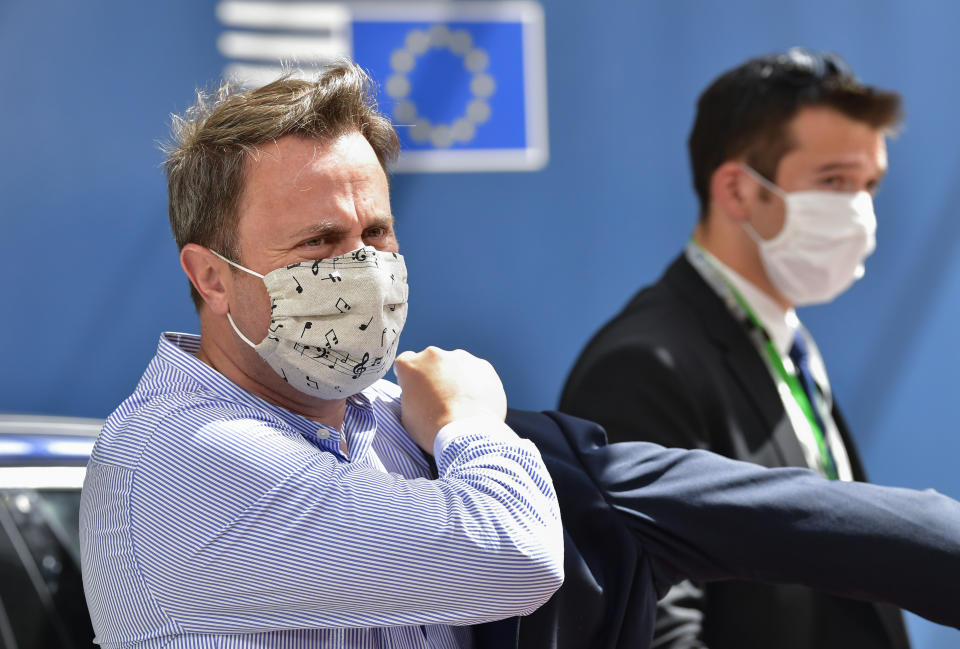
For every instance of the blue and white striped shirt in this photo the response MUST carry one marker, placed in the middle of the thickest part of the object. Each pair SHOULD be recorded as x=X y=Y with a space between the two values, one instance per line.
x=213 y=518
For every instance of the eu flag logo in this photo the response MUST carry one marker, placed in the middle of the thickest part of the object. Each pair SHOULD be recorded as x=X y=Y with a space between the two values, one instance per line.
x=462 y=89
x=465 y=82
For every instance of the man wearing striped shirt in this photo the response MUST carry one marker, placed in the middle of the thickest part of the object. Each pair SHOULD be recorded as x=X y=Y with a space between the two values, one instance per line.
x=249 y=493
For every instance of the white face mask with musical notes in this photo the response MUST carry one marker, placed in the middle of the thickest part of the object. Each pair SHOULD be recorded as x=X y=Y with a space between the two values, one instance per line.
x=334 y=322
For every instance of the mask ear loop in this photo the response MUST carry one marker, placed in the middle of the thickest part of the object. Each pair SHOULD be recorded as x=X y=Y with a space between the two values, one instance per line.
x=756 y=175
x=230 y=317
x=753 y=173
x=237 y=331
x=235 y=264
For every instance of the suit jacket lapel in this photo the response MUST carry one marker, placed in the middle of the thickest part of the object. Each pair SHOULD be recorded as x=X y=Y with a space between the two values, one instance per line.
x=754 y=378
x=856 y=466
x=740 y=355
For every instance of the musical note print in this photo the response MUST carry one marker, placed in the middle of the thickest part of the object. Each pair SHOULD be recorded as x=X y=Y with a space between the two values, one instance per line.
x=284 y=375
x=364 y=326
x=315 y=386
x=361 y=367
x=357 y=259
x=325 y=353
x=279 y=326
x=382 y=336
x=342 y=305
x=331 y=334
x=339 y=362
x=296 y=265
x=299 y=288
x=333 y=277
x=327 y=356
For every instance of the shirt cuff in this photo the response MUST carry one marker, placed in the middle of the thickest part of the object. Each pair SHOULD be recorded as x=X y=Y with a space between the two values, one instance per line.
x=486 y=426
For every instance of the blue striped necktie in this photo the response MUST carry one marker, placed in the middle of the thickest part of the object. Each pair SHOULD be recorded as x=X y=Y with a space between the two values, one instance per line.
x=801 y=360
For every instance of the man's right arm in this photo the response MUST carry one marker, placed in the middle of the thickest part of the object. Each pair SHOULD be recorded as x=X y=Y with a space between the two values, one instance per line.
x=255 y=530
x=705 y=517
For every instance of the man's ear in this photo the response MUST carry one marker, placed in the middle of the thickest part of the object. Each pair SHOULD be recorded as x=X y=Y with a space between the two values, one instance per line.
x=732 y=190
x=209 y=275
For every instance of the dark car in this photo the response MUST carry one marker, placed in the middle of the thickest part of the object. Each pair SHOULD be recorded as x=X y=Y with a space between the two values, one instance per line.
x=42 y=464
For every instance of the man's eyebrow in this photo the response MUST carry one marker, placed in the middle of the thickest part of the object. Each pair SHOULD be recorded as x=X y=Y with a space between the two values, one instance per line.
x=838 y=166
x=319 y=230
x=329 y=228
x=384 y=220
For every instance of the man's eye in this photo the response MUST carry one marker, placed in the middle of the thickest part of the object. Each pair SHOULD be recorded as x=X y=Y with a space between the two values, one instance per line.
x=837 y=183
x=375 y=233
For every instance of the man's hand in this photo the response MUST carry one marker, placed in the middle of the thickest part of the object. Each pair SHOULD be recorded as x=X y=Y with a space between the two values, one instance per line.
x=442 y=386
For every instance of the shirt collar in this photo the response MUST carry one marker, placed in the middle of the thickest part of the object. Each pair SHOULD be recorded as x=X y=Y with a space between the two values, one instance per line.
x=180 y=349
x=780 y=324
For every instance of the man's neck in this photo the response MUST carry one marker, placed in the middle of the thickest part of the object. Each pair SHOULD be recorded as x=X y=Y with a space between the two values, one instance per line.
x=216 y=351
x=739 y=252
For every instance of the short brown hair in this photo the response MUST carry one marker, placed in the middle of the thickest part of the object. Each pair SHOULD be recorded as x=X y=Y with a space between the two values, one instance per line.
x=206 y=160
x=745 y=112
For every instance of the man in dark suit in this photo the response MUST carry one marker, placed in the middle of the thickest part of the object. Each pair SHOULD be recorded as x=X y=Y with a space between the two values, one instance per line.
x=786 y=151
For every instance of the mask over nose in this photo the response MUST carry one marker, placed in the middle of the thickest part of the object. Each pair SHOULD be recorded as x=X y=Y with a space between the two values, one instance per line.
x=334 y=322
x=820 y=250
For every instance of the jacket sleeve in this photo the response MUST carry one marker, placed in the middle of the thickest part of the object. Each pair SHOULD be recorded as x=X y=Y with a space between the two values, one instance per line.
x=701 y=516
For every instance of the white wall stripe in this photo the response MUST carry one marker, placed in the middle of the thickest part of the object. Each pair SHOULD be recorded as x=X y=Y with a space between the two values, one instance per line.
x=280 y=15
x=277 y=47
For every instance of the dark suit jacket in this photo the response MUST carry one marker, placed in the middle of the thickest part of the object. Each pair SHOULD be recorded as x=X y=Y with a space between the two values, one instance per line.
x=675 y=368
x=638 y=517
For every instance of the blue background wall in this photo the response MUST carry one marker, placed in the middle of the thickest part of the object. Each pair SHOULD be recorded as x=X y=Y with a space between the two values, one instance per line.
x=518 y=268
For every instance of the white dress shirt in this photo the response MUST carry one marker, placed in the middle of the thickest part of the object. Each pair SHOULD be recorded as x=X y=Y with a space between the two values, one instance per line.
x=212 y=518
x=782 y=325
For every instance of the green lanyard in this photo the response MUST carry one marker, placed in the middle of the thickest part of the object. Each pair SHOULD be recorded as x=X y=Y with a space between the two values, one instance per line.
x=776 y=362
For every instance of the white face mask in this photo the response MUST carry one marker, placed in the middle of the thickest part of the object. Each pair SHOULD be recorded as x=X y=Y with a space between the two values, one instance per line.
x=334 y=322
x=820 y=250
